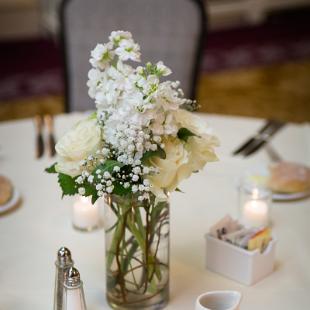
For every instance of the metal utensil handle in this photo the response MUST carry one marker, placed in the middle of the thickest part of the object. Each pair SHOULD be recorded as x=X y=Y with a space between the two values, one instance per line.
x=272 y=153
x=263 y=139
x=39 y=144
x=268 y=124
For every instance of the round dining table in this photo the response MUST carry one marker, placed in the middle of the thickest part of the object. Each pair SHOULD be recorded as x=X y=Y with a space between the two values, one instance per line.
x=32 y=232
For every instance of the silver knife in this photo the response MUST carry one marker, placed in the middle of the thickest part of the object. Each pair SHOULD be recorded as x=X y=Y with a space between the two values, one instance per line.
x=39 y=151
x=247 y=143
x=263 y=138
x=49 y=124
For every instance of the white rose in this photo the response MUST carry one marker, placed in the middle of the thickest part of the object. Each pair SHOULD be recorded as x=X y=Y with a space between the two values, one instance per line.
x=168 y=177
x=82 y=140
x=201 y=151
x=68 y=167
x=192 y=122
x=183 y=158
x=201 y=147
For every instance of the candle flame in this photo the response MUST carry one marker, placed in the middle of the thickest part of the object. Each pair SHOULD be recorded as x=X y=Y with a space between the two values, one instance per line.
x=255 y=193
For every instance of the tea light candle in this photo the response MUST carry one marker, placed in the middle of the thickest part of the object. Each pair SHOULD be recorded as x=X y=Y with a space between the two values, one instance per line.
x=255 y=213
x=255 y=202
x=86 y=216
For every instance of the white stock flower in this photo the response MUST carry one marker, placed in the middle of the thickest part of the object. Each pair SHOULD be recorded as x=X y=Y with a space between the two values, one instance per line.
x=126 y=70
x=163 y=69
x=138 y=113
x=117 y=36
x=157 y=126
x=82 y=140
x=168 y=97
x=95 y=79
x=170 y=127
x=149 y=85
x=101 y=55
x=128 y=49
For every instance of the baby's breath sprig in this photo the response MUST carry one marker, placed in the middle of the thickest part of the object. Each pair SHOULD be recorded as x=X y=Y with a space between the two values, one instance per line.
x=112 y=175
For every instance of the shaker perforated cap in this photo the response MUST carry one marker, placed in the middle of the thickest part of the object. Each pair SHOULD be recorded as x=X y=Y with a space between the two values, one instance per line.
x=72 y=277
x=64 y=255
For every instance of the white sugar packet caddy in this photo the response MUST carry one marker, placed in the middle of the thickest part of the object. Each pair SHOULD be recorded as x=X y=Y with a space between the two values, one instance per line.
x=246 y=267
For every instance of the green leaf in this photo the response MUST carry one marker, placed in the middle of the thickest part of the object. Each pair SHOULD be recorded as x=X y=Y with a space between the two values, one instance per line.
x=93 y=115
x=116 y=238
x=152 y=287
x=94 y=198
x=90 y=190
x=128 y=257
x=138 y=219
x=120 y=189
x=158 y=153
x=51 y=169
x=179 y=190
x=184 y=134
x=67 y=184
x=157 y=210
x=139 y=235
x=108 y=165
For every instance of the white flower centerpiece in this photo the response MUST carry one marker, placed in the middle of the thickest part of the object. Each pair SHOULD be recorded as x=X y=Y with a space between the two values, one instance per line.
x=133 y=151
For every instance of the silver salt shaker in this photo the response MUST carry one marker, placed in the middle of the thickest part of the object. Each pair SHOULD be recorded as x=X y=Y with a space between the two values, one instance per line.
x=73 y=298
x=63 y=263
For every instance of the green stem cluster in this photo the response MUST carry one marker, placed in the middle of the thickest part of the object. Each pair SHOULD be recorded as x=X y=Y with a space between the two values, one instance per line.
x=135 y=270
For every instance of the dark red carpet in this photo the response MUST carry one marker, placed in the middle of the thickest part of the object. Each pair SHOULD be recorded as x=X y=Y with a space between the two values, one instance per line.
x=33 y=68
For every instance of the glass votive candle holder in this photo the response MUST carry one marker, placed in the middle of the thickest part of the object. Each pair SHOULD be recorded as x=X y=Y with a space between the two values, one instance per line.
x=85 y=215
x=255 y=201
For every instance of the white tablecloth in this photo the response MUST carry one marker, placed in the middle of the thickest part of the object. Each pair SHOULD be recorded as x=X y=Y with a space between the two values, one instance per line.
x=31 y=235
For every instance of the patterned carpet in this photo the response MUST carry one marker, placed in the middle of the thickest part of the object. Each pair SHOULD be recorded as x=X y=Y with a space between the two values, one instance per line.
x=29 y=107
x=279 y=91
x=30 y=79
x=261 y=71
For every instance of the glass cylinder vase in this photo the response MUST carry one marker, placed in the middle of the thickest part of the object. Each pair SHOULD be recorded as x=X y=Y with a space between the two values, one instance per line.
x=137 y=252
